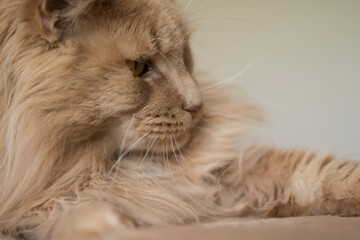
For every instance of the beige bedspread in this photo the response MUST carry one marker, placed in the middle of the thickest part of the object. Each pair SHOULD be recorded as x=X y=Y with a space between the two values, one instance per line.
x=299 y=228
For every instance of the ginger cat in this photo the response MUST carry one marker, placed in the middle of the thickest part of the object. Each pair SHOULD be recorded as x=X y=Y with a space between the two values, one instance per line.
x=103 y=127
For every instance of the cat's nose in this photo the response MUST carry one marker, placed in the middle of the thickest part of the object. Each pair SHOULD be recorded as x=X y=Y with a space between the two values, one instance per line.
x=193 y=108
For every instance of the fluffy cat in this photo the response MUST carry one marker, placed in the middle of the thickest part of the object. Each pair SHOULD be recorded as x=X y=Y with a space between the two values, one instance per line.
x=103 y=127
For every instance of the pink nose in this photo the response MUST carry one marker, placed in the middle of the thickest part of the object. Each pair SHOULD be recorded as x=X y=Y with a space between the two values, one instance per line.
x=193 y=108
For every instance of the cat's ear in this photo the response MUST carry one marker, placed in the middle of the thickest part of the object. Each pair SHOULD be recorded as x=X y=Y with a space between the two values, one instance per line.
x=56 y=16
x=49 y=17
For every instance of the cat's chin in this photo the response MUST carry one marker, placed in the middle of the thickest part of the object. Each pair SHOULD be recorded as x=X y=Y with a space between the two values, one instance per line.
x=164 y=143
x=159 y=150
x=152 y=144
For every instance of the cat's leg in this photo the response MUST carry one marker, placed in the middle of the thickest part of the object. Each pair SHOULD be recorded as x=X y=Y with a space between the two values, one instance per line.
x=288 y=183
x=90 y=220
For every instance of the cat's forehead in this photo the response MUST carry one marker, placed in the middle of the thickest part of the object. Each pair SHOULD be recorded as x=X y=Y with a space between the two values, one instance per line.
x=139 y=28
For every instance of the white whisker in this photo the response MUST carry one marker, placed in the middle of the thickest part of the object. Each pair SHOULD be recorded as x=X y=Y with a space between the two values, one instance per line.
x=187 y=5
x=178 y=147
x=230 y=79
x=163 y=55
x=126 y=152
x=207 y=47
x=147 y=152
x=172 y=146
x=126 y=134
x=235 y=117
x=166 y=161
x=259 y=101
x=225 y=69
x=147 y=148
x=232 y=5
x=234 y=18
x=152 y=154
x=176 y=57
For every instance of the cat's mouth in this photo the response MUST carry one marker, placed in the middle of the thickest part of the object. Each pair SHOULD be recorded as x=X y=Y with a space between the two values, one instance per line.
x=158 y=134
x=161 y=133
x=156 y=138
x=155 y=143
x=163 y=139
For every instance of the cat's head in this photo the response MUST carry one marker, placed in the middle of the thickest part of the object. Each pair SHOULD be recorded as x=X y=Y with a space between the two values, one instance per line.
x=112 y=70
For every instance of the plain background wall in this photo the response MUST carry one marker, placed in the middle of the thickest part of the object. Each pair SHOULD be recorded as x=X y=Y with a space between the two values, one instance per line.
x=307 y=64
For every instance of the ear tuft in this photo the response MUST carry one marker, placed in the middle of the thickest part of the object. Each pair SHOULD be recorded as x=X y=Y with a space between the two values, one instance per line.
x=49 y=12
x=55 y=5
x=56 y=16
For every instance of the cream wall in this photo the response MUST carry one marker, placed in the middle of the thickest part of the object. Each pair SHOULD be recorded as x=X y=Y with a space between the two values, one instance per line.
x=307 y=64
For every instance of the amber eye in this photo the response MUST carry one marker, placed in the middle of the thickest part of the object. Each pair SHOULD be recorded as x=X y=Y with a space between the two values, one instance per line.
x=137 y=68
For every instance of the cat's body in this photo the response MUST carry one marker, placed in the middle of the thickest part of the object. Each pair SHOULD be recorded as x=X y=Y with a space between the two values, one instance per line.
x=90 y=145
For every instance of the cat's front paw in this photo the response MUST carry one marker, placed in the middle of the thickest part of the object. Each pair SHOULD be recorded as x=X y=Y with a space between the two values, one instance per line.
x=90 y=221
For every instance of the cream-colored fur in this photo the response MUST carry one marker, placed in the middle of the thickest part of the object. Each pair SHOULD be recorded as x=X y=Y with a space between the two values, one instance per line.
x=88 y=148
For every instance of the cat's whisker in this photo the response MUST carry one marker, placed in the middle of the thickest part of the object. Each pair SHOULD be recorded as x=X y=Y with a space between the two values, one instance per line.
x=126 y=152
x=214 y=92
x=234 y=18
x=232 y=5
x=225 y=69
x=164 y=158
x=173 y=55
x=190 y=14
x=200 y=43
x=175 y=155
x=149 y=120
x=234 y=117
x=230 y=79
x=152 y=154
x=176 y=57
x=163 y=55
x=161 y=39
x=147 y=151
x=152 y=136
x=261 y=101
x=168 y=162
x=147 y=148
x=126 y=133
x=141 y=153
x=178 y=147
x=137 y=117
x=187 y=5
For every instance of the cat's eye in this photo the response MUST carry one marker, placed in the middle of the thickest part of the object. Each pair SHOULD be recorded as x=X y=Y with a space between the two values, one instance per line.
x=138 y=68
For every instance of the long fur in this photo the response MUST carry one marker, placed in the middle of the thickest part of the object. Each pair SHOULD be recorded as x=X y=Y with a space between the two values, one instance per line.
x=57 y=175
